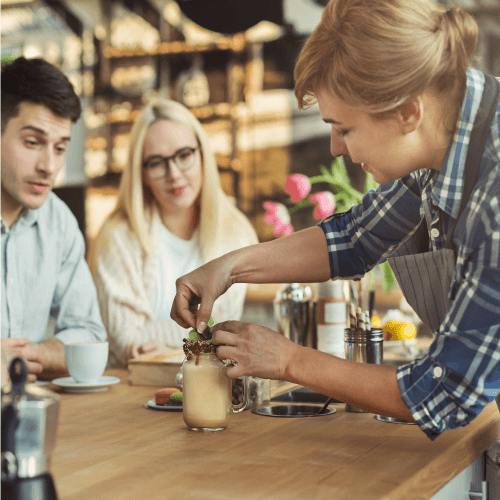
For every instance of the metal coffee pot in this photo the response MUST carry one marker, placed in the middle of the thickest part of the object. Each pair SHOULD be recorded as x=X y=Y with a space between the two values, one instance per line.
x=292 y=311
x=29 y=423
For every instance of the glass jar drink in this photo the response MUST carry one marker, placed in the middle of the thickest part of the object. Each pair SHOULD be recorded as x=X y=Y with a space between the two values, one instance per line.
x=207 y=404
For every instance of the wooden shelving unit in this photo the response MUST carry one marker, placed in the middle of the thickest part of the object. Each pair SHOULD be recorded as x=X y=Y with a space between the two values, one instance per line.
x=228 y=83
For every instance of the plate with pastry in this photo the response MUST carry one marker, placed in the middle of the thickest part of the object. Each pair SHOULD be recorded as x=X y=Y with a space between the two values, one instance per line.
x=167 y=399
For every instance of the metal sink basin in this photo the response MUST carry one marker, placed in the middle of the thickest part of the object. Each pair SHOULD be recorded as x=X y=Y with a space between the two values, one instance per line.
x=292 y=411
x=301 y=394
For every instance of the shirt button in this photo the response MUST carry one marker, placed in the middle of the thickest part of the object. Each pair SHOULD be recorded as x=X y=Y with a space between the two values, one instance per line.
x=434 y=232
x=10 y=280
x=437 y=371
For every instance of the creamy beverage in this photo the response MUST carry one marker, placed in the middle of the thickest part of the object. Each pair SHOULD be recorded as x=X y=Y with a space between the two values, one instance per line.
x=206 y=393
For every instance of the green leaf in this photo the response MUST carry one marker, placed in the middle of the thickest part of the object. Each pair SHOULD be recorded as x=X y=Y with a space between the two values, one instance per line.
x=388 y=276
x=193 y=335
x=339 y=172
x=370 y=183
x=324 y=171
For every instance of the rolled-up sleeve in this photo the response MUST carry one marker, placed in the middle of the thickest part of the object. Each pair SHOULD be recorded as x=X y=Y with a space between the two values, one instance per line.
x=368 y=233
x=460 y=374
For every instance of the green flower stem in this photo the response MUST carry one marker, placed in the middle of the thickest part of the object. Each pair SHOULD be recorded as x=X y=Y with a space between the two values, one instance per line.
x=345 y=197
x=339 y=186
x=320 y=178
x=301 y=204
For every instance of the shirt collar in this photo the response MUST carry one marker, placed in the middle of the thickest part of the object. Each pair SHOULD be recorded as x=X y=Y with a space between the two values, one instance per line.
x=27 y=218
x=447 y=193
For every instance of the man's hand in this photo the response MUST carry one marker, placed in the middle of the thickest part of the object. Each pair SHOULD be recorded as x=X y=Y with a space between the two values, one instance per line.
x=200 y=287
x=13 y=348
x=258 y=351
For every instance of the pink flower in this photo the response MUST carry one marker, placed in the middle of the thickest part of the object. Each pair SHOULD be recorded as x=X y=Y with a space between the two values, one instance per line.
x=298 y=187
x=282 y=229
x=277 y=216
x=276 y=212
x=325 y=204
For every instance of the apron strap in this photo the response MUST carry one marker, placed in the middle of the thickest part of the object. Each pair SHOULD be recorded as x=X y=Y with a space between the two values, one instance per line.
x=477 y=142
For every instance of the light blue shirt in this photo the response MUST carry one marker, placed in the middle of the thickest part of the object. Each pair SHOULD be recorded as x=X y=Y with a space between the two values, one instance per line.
x=44 y=274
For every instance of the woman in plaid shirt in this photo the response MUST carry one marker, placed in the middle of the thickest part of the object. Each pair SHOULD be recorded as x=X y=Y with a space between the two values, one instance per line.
x=394 y=79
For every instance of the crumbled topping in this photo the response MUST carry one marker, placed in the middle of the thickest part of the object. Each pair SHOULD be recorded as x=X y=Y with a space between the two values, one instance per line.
x=197 y=347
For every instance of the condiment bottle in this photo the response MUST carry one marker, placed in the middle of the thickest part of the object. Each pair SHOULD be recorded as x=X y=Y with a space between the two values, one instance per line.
x=331 y=317
x=363 y=346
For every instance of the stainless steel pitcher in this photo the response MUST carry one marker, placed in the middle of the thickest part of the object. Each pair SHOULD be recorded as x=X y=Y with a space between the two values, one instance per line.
x=29 y=424
x=292 y=311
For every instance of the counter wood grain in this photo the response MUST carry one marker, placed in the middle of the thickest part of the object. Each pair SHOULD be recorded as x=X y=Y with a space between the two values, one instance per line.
x=109 y=447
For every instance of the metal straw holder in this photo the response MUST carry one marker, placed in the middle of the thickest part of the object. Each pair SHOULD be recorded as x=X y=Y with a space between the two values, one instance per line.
x=363 y=347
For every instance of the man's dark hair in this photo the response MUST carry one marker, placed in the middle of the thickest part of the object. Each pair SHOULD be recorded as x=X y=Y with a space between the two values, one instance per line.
x=38 y=82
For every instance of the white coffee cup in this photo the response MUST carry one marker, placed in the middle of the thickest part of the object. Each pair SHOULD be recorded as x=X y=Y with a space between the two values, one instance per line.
x=86 y=361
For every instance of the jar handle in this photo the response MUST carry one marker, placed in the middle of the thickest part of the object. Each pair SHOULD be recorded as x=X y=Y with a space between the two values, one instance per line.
x=245 y=404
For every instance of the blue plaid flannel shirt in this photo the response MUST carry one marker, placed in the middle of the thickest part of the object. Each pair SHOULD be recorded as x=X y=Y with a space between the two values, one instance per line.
x=460 y=374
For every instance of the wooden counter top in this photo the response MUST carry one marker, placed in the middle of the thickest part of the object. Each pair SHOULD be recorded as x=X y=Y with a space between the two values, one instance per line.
x=109 y=447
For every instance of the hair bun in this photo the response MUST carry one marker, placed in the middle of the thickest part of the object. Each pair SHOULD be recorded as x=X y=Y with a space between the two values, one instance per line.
x=464 y=30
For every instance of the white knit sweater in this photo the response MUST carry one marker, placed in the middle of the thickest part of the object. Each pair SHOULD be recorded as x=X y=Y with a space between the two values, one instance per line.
x=125 y=280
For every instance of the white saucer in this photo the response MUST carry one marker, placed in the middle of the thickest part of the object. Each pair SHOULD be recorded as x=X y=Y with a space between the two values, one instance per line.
x=153 y=406
x=69 y=384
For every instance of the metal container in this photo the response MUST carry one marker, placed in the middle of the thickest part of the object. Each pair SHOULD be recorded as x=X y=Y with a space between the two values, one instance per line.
x=29 y=425
x=292 y=311
x=363 y=347
x=292 y=411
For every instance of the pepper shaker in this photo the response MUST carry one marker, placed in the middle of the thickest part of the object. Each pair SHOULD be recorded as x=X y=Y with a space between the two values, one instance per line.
x=363 y=346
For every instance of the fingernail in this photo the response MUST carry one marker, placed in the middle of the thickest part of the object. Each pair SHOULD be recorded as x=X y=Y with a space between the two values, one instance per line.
x=201 y=327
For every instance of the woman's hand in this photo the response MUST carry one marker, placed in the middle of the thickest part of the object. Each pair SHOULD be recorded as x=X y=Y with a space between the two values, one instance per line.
x=200 y=287
x=258 y=351
x=150 y=347
x=300 y=257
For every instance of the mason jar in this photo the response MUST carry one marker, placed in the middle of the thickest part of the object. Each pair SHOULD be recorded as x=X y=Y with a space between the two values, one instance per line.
x=207 y=401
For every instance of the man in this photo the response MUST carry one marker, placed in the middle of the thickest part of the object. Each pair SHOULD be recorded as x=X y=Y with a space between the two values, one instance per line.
x=44 y=272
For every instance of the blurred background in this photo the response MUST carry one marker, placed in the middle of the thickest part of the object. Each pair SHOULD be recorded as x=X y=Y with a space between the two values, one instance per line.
x=230 y=61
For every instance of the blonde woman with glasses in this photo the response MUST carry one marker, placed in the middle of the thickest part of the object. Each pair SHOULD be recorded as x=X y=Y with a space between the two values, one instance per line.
x=394 y=79
x=171 y=217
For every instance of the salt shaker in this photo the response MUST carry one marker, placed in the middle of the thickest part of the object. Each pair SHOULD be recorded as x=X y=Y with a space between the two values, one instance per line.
x=363 y=346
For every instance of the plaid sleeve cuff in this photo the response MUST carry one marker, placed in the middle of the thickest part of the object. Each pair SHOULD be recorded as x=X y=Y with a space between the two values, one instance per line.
x=338 y=240
x=437 y=397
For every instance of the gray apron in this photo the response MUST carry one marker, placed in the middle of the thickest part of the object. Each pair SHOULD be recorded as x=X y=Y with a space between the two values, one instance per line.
x=425 y=276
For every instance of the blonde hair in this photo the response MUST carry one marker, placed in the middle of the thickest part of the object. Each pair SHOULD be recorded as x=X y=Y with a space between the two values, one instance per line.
x=377 y=55
x=222 y=226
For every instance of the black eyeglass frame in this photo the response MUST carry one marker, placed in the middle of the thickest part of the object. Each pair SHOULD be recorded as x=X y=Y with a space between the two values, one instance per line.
x=167 y=159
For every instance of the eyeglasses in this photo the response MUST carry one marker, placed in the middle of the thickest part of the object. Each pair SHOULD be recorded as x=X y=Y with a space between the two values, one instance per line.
x=157 y=167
